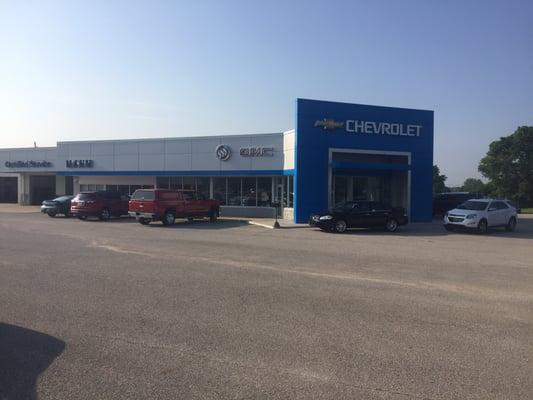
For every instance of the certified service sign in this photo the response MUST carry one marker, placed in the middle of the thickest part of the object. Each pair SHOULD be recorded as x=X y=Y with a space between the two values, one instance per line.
x=223 y=152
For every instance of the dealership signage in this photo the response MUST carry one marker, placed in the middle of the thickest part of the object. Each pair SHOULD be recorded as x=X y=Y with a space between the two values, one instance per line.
x=28 y=164
x=223 y=151
x=79 y=163
x=370 y=127
x=256 y=151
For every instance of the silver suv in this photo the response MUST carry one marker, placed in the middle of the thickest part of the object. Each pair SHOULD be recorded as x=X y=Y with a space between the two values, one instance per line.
x=481 y=214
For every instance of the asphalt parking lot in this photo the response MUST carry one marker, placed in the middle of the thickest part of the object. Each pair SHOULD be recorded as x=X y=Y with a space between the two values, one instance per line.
x=115 y=310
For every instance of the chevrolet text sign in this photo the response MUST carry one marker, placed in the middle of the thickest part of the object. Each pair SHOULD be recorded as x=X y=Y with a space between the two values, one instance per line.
x=382 y=128
x=369 y=127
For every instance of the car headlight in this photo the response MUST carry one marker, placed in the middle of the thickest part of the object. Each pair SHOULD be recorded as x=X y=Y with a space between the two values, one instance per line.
x=471 y=216
x=325 y=217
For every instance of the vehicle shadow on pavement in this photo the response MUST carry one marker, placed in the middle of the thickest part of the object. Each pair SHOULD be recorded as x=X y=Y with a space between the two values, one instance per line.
x=24 y=355
x=199 y=224
x=524 y=230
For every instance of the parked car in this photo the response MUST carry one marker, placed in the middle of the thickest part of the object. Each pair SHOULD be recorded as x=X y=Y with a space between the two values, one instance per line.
x=514 y=204
x=59 y=205
x=480 y=215
x=446 y=201
x=101 y=204
x=360 y=214
x=165 y=205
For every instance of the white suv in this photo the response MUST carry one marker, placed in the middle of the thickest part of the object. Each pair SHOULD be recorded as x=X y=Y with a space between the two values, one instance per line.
x=480 y=214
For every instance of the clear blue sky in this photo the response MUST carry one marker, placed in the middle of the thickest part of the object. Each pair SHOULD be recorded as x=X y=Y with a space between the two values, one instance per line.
x=89 y=70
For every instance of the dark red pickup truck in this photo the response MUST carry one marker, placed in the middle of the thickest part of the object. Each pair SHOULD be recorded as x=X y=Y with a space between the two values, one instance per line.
x=165 y=205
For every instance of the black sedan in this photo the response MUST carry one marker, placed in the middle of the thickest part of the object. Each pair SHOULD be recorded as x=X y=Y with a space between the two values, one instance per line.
x=360 y=214
x=59 y=205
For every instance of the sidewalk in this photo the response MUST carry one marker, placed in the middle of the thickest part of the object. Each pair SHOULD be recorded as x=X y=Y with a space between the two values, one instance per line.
x=18 y=209
x=269 y=223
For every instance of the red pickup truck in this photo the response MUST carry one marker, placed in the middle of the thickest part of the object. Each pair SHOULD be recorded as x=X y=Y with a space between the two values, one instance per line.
x=165 y=205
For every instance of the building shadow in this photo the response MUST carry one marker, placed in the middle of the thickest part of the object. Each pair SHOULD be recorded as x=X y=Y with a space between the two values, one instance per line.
x=24 y=355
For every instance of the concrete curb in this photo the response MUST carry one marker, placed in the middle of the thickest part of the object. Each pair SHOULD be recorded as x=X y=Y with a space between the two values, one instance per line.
x=261 y=224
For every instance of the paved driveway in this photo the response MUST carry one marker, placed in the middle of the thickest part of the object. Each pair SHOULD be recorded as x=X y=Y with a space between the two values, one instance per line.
x=95 y=310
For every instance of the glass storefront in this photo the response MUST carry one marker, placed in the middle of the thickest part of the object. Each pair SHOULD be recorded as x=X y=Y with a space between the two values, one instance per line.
x=126 y=190
x=389 y=187
x=231 y=191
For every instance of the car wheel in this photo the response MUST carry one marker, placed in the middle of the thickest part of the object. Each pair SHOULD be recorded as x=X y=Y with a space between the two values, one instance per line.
x=482 y=227
x=168 y=218
x=144 y=221
x=449 y=228
x=51 y=214
x=213 y=215
x=340 y=226
x=511 y=225
x=104 y=214
x=391 y=225
x=68 y=214
x=190 y=219
x=82 y=217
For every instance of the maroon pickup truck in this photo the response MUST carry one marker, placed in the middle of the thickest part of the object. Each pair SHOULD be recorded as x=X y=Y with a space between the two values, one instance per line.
x=165 y=205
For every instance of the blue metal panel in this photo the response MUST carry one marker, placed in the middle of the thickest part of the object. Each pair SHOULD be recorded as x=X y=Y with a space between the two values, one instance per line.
x=313 y=141
x=369 y=166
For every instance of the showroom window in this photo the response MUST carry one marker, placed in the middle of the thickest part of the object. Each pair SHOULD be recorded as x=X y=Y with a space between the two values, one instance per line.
x=162 y=182
x=249 y=192
x=202 y=186
x=220 y=190
x=264 y=192
x=234 y=191
x=176 y=182
x=290 y=191
x=189 y=183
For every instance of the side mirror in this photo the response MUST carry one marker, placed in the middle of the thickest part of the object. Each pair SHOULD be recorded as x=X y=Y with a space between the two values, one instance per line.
x=492 y=209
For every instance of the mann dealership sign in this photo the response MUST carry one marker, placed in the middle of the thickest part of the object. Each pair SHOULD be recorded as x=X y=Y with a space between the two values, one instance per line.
x=79 y=163
x=370 y=127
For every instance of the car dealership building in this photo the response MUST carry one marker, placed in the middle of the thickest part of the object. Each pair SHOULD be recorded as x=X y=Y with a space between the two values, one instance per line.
x=336 y=152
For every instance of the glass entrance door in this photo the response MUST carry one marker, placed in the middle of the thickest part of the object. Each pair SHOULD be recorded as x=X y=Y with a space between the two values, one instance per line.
x=388 y=188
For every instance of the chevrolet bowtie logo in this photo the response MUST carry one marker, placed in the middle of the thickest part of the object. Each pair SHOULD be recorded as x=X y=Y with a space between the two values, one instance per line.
x=328 y=124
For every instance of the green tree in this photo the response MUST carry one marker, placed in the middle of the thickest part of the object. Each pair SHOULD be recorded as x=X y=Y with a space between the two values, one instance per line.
x=509 y=166
x=473 y=185
x=438 y=181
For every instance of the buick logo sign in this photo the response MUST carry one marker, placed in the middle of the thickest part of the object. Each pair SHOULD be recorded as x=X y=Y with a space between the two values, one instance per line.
x=223 y=152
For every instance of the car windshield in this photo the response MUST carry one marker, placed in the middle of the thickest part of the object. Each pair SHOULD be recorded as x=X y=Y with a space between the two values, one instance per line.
x=143 y=194
x=86 y=196
x=343 y=206
x=473 y=205
x=63 y=198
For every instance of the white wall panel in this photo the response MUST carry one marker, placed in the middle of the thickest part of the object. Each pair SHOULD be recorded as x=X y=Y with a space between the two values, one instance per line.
x=178 y=146
x=152 y=147
x=126 y=162
x=205 y=161
x=101 y=163
x=151 y=162
x=205 y=145
x=79 y=150
x=126 y=147
x=102 y=149
x=178 y=162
